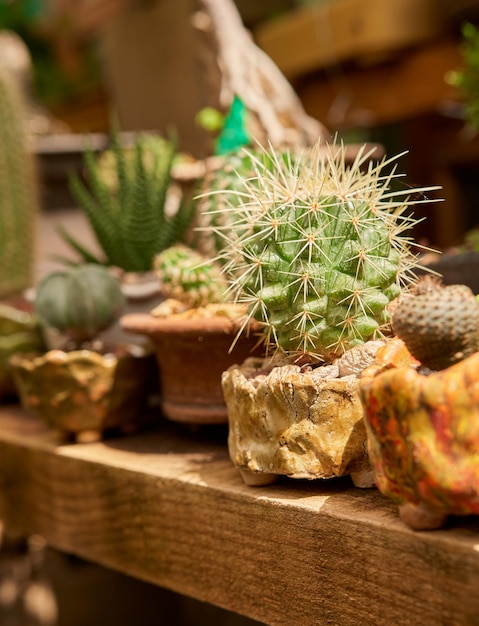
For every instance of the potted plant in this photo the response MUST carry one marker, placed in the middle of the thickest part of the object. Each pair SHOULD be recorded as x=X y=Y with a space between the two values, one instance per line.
x=90 y=387
x=317 y=253
x=422 y=413
x=193 y=333
x=135 y=210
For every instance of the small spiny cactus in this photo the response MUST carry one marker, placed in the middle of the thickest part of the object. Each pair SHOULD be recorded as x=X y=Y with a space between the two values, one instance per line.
x=80 y=302
x=318 y=249
x=438 y=323
x=186 y=276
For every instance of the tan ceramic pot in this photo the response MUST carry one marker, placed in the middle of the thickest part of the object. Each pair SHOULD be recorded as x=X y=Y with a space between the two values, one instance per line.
x=302 y=424
x=192 y=353
x=82 y=393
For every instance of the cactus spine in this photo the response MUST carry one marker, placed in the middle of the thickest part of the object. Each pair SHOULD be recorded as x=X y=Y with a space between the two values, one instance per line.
x=319 y=249
x=18 y=192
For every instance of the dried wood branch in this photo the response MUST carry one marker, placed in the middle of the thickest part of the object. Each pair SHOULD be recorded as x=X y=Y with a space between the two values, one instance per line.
x=276 y=113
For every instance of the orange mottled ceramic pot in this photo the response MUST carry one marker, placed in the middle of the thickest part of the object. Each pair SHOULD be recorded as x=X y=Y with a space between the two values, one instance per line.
x=423 y=437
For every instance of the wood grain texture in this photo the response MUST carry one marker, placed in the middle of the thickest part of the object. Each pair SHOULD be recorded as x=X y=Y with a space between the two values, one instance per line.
x=169 y=508
x=322 y=34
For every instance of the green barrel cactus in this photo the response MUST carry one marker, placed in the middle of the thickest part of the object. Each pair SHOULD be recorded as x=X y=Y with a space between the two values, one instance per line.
x=80 y=302
x=185 y=275
x=319 y=249
x=18 y=192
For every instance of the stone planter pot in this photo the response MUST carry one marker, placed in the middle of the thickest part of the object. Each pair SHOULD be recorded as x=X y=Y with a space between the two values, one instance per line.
x=423 y=439
x=19 y=333
x=301 y=424
x=192 y=353
x=84 y=394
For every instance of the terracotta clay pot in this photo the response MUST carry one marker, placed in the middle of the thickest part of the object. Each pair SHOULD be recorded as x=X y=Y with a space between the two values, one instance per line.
x=301 y=424
x=192 y=353
x=83 y=393
x=423 y=438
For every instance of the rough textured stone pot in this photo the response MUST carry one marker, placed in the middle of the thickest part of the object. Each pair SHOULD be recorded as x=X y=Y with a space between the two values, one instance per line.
x=83 y=393
x=423 y=438
x=302 y=424
x=192 y=353
x=19 y=332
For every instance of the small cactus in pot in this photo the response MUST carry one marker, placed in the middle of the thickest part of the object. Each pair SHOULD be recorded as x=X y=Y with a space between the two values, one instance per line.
x=318 y=253
x=422 y=416
x=193 y=332
x=87 y=388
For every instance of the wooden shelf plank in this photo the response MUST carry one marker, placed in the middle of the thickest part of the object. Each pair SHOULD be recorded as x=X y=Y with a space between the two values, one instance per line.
x=168 y=507
x=327 y=33
x=412 y=84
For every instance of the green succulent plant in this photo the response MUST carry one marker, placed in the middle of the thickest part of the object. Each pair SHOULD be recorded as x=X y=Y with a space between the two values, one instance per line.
x=79 y=302
x=126 y=202
x=319 y=249
x=466 y=80
x=186 y=276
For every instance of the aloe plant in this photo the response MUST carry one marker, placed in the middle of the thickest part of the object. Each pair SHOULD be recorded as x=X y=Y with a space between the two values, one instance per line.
x=130 y=218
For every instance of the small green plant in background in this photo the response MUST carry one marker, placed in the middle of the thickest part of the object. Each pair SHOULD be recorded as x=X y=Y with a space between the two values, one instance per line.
x=319 y=249
x=126 y=200
x=466 y=80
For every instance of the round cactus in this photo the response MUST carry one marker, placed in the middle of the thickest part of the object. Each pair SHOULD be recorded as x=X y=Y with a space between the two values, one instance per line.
x=438 y=323
x=81 y=302
x=318 y=249
x=186 y=276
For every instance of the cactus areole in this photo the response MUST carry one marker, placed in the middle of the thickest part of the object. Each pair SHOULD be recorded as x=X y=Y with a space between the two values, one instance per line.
x=81 y=302
x=319 y=248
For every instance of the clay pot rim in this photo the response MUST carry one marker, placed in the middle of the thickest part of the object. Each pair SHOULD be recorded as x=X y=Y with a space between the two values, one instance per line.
x=147 y=324
x=32 y=360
